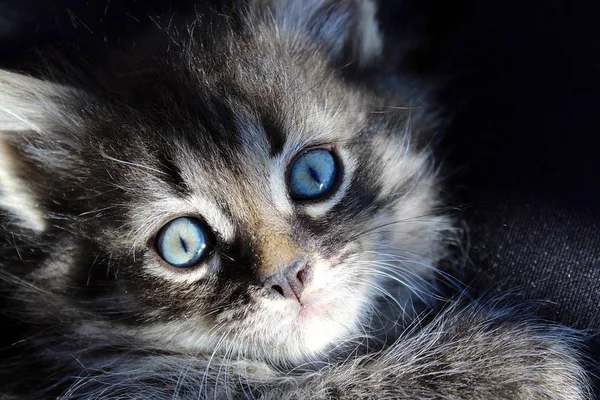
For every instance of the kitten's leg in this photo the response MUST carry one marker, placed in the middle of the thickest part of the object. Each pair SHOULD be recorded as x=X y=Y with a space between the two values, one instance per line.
x=467 y=355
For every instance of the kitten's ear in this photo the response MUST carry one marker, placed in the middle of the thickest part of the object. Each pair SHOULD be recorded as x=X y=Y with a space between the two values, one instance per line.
x=30 y=111
x=346 y=29
x=29 y=104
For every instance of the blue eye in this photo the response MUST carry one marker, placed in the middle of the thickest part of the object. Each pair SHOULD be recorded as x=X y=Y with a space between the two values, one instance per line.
x=183 y=242
x=312 y=175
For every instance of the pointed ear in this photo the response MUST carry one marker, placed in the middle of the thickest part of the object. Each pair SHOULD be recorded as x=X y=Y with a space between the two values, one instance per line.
x=346 y=29
x=30 y=110
x=29 y=104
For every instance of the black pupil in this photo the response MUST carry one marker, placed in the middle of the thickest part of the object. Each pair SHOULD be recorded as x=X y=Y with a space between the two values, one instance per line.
x=183 y=244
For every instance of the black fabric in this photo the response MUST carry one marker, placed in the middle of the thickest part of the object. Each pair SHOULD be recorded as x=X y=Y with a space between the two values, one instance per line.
x=522 y=82
x=525 y=139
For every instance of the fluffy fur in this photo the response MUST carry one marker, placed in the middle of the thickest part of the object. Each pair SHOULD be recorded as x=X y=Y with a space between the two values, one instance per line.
x=205 y=124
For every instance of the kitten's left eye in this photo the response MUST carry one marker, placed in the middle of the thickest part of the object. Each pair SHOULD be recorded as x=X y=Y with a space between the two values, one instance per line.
x=183 y=242
x=313 y=174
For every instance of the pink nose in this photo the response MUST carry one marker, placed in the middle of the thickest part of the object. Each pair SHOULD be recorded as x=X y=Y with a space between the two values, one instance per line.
x=290 y=282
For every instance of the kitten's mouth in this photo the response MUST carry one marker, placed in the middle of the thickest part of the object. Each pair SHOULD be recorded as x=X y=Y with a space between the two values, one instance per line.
x=312 y=305
x=311 y=311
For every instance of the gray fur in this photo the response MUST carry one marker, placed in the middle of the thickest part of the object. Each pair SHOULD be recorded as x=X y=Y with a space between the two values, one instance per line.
x=468 y=354
x=207 y=127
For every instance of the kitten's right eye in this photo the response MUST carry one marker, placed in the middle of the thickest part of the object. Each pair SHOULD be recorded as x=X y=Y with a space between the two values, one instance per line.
x=183 y=242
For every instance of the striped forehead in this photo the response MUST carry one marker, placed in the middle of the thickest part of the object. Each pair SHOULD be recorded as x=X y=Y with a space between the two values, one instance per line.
x=247 y=175
x=275 y=104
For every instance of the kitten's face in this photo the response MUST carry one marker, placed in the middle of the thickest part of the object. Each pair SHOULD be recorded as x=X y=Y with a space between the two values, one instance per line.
x=249 y=202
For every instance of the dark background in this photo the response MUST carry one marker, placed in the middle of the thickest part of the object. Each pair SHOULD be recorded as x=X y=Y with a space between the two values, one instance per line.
x=522 y=82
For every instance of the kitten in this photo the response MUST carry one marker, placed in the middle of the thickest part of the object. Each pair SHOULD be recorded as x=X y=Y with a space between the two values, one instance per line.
x=249 y=211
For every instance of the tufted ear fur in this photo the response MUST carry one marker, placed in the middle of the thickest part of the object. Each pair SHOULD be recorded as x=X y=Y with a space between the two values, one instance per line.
x=346 y=29
x=30 y=111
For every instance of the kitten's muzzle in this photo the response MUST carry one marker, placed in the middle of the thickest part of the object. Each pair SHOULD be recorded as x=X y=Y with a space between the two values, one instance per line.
x=289 y=282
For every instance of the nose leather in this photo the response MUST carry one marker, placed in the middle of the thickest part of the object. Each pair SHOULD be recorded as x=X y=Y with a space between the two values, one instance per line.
x=290 y=281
